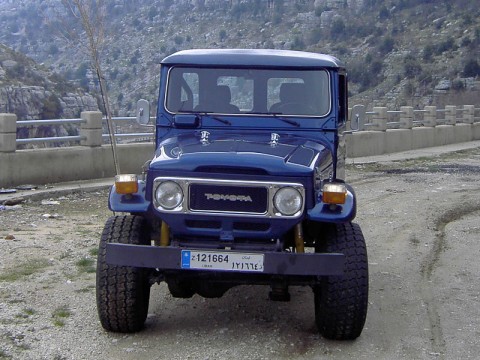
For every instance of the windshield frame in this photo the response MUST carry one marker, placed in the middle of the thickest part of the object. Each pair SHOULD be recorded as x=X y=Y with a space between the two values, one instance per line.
x=261 y=75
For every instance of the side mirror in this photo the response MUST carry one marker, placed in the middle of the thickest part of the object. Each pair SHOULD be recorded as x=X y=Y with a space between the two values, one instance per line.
x=143 y=112
x=357 y=118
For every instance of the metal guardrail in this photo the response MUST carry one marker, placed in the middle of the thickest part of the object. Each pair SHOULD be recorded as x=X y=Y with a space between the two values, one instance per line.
x=75 y=138
x=149 y=135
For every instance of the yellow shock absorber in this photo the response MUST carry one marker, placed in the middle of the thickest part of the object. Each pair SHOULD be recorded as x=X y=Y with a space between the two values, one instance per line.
x=299 y=243
x=164 y=234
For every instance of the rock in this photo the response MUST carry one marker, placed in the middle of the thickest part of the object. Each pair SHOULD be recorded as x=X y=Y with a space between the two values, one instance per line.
x=50 y=202
x=14 y=201
x=26 y=187
x=50 y=216
x=7 y=191
x=444 y=85
x=8 y=64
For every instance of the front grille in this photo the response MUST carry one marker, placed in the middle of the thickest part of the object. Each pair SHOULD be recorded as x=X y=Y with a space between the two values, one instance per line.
x=225 y=198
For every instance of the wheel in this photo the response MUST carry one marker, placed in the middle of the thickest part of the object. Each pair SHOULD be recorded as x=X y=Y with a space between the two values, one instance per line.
x=341 y=301
x=123 y=292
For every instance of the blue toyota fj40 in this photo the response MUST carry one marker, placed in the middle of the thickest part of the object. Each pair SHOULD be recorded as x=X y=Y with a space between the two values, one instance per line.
x=246 y=186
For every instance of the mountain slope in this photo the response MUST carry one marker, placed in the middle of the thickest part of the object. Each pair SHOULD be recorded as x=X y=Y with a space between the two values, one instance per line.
x=33 y=92
x=396 y=51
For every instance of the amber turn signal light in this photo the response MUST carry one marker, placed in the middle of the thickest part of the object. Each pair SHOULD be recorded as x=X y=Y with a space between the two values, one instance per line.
x=126 y=184
x=334 y=193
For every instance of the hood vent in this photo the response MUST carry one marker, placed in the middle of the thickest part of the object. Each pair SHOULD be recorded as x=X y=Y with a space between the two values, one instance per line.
x=230 y=170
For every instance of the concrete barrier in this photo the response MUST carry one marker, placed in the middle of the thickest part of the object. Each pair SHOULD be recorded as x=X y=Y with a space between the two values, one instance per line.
x=397 y=140
x=94 y=160
x=423 y=137
x=51 y=165
x=365 y=143
x=476 y=131
x=8 y=132
x=444 y=135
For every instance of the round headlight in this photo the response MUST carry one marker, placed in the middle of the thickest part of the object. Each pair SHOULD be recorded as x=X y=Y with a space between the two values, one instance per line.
x=288 y=201
x=169 y=195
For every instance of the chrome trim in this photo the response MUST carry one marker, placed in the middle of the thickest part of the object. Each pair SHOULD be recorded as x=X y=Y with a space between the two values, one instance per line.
x=274 y=137
x=272 y=188
x=204 y=137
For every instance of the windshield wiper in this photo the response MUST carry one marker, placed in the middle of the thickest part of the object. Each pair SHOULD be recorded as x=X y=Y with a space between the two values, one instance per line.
x=204 y=113
x=284 y=119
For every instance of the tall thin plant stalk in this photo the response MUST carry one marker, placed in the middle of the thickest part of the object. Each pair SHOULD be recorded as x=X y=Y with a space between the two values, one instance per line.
x=91 y=14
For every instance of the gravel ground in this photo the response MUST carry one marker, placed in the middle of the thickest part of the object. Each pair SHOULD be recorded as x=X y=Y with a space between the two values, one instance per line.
x=421 y=222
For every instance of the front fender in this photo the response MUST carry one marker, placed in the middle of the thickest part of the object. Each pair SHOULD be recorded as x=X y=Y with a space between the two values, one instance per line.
x=131 y=203
x=341 y=213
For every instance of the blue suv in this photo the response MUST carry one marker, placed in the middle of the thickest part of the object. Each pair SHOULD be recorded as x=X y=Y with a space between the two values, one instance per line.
x=246 y=186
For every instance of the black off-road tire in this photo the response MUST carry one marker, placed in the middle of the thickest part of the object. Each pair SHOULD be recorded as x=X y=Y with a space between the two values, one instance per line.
x=123 y=292
x=341 y=302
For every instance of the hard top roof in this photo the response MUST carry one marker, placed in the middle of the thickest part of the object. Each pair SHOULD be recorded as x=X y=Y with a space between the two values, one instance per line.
x=252 y=57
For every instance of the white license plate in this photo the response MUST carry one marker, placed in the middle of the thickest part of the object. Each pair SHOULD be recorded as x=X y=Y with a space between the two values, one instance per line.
x=218 y=260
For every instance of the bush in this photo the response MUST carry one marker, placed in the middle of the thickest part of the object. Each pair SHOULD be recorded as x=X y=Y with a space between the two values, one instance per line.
x=366 y=73
x=471 y=69
x=315 y=36
x=383 y=13
x=458 y=85
x=446 y=45
x=298 y=43
x=387 y=45
x=338 y=29
x=412 y=67
x=178 y=40
x=428 y=51
x=52 y=109
x=222 y=35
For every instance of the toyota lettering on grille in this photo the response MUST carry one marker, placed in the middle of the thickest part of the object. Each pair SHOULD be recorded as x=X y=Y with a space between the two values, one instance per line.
x=228 y=197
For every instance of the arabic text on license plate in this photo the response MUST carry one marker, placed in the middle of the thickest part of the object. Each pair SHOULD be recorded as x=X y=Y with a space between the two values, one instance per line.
x=226 y=261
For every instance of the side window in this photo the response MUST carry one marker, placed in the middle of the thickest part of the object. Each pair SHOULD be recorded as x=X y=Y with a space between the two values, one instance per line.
x=189 y=91
x=182 y=91
x=342 y=99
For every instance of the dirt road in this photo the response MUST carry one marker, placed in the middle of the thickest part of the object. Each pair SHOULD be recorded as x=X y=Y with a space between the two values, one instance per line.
x=421 y=219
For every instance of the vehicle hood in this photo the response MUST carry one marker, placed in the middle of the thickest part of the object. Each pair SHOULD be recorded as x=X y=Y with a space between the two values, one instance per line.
x=267 y=154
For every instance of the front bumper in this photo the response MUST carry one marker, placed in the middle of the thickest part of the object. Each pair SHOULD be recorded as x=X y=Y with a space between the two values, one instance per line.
x=275 y=263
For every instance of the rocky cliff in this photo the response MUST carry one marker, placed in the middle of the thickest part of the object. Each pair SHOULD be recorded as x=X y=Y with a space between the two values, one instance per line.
x=31 y=91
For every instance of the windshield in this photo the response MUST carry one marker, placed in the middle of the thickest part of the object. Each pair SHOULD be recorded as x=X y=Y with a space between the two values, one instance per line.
x=248 y=91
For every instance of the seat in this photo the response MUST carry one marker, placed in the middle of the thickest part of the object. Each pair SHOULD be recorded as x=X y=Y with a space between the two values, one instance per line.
x=218 y=101
x=293 y=97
